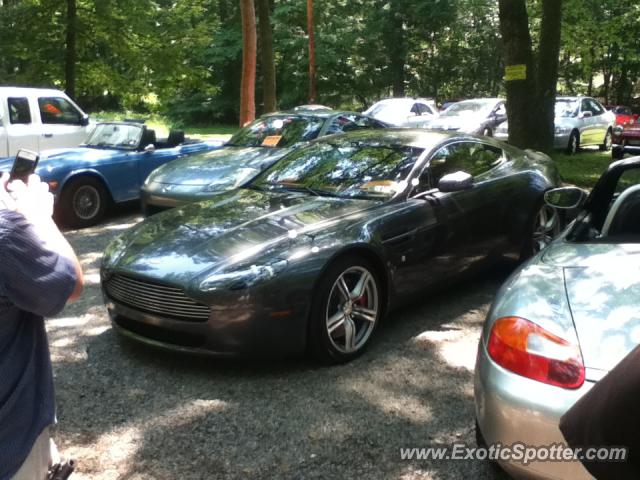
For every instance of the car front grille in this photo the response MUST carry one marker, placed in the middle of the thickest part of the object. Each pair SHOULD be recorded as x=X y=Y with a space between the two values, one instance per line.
x=154 y=298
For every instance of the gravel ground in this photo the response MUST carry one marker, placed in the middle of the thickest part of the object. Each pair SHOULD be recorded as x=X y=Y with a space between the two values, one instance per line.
x=127 y=411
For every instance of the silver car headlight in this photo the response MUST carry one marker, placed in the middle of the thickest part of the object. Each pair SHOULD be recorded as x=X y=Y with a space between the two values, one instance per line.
x=244 y=277
x=234 y=181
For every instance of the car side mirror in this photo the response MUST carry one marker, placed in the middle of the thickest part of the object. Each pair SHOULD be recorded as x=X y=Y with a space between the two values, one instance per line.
x=84 y=120
x=455 y=182
x=150 y=148
x=585 y=114
x=565 y=198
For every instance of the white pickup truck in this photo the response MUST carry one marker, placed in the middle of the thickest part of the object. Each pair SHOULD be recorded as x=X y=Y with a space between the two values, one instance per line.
x=39 y=119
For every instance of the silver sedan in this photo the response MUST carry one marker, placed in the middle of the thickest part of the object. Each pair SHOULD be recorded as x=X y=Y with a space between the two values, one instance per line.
x=579 y=122
x=562 y=321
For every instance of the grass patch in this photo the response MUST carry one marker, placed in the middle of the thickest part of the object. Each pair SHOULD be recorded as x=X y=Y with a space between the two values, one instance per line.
x=162 y=125
x=583 y=169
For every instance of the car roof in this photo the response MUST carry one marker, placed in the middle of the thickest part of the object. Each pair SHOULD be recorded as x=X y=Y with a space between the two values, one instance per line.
x=405 y=100
x=25 y=91
x=411 y=137
x=309 y=113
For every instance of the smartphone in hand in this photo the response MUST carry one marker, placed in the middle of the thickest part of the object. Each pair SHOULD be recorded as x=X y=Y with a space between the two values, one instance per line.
x=24 y=165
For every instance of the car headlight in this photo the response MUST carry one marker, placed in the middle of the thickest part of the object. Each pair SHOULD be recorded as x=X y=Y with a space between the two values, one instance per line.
x=234 y=181
x=561 y=130
x=114 y=251
x=244 y=277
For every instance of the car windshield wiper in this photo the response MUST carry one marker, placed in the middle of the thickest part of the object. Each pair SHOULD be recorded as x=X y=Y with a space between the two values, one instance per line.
x=302 y=188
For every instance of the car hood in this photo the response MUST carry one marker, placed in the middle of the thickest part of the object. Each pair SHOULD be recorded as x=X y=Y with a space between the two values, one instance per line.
x=202 y=169
x=50 y=159
x=602 y=283
x=233 y=228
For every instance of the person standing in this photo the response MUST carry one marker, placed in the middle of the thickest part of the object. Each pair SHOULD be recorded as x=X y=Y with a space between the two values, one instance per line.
x=39 y=273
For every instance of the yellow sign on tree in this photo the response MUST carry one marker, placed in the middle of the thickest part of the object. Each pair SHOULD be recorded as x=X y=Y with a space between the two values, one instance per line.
x=515 y=72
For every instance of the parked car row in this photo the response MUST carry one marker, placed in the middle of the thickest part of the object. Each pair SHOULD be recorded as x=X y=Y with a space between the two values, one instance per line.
x=306 y=228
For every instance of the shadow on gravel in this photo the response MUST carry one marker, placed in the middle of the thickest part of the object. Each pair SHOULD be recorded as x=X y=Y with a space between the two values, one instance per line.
x=148 y=414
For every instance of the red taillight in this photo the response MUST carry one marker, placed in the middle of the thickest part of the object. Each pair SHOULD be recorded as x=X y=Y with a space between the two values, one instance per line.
x=529 y=350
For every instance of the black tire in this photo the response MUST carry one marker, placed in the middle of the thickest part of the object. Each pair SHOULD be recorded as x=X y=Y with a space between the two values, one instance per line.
x=328 y=347
x=83 y=202
x=606 y=145
x=617 y=153
x=530 y=246
x=573 y=146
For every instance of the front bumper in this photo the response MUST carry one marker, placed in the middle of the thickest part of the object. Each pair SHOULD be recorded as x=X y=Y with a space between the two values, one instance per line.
x=248 y=322
x=513 y=409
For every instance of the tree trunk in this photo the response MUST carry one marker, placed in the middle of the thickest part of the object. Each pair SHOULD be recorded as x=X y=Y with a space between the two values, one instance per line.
x=397 y=49
x=266 y=56
x=514 y=27
x=313 y=88
x=249 y=47
x=70 y=60
x=530 y=85
x=547 y=74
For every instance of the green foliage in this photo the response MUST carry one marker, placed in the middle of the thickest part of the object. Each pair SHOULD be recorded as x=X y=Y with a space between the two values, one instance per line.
x=182 y=58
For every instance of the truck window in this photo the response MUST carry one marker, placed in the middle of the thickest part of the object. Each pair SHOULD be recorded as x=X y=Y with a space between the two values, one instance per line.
x=19 y=110
x=57 y=110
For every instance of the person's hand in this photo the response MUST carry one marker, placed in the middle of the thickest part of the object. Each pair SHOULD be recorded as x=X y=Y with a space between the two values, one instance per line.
x=33 y=199
x=6 y=200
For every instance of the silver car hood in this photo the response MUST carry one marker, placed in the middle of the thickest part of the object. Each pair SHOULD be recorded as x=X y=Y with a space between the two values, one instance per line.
x=602 y=282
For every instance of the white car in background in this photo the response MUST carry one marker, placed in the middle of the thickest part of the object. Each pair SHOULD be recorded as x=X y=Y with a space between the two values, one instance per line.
x=39 y=119
x=403 y=112
x=478 y=116
x=579 y=122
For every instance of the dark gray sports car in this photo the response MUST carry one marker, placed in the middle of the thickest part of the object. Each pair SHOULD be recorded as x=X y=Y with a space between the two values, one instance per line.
x=316 y=249
x=251 y=150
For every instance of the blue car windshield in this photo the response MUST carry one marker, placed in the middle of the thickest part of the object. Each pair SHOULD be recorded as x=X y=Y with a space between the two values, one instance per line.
x=115 y=135
x=279 y=131
x=343 y=168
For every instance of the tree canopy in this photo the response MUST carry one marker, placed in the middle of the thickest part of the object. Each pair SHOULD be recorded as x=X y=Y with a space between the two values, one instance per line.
x=185 y=58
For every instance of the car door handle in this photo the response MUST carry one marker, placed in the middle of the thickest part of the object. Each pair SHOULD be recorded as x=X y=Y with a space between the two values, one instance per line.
x=47 y=135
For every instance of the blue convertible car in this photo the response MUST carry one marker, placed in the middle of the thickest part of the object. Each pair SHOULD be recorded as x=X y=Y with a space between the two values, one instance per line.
x=109 y=168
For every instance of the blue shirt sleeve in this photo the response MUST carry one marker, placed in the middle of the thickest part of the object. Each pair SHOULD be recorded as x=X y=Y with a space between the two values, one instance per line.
x=32 y=277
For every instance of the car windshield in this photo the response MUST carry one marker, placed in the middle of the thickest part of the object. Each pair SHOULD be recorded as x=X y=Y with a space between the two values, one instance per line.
x=386 y=109
x=115 y=135
x=468 y=108
x=566 y=108
x=278 y=131
x=343 y=168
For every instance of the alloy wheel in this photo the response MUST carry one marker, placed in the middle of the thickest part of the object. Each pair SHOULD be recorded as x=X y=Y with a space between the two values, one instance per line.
x=352 y=309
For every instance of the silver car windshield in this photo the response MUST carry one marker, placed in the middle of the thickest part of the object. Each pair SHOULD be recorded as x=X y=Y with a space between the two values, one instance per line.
x=566 y=108
x=468 y=108
x=112 y=135
x=279 y=131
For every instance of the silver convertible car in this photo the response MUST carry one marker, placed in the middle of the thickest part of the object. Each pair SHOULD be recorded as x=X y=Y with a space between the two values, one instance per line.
x=562 y=321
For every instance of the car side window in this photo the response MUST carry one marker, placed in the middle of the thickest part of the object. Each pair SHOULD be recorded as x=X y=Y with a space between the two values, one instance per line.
x=57 y=110
x=19 y=110
x=424 y=109
x=584 y=106
x=473 y=158
x=596 y=108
